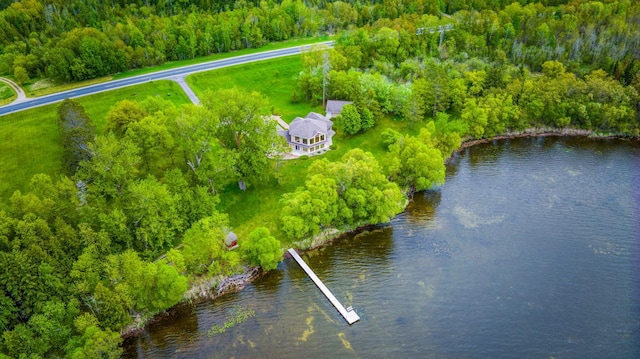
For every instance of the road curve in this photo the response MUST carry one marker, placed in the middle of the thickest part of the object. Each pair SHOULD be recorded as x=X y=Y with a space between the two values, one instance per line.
x=160 y=75
x=16 y=88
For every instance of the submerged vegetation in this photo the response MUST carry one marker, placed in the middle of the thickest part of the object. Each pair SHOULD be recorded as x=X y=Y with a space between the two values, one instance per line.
x=239 y=315
x=142 y=192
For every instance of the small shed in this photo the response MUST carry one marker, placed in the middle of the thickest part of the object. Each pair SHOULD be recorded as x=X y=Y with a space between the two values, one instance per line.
x=334 y=108
x=232 y=241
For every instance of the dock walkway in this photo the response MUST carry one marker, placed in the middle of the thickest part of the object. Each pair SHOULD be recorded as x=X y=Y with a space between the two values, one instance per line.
x=349 y=314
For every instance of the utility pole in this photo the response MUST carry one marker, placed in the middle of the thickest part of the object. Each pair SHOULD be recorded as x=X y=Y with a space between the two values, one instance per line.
x=326 y=67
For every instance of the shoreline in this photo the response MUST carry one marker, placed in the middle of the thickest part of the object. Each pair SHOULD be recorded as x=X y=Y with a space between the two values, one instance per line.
x=538 y=132
x=214 y=288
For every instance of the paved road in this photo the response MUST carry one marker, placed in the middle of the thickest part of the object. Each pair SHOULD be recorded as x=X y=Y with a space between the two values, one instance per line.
x=107 y=86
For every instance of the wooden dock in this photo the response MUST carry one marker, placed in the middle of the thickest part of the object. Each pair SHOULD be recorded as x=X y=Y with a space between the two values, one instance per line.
x=348 y=313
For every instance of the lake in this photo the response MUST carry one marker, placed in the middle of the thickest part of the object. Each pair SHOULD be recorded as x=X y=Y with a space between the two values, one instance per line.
x=530 y=250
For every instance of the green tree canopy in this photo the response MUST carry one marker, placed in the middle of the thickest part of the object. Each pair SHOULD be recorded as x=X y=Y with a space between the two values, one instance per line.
x=414 y=162
x=245 y=131
x=349 y=120
x=261 y=249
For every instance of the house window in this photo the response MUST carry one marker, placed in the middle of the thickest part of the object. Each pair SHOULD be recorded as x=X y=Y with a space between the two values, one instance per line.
x=322 y=145
x=305 y=149
x=304 y=140
x=297 y=139
x=322 y=138
x=312 y=141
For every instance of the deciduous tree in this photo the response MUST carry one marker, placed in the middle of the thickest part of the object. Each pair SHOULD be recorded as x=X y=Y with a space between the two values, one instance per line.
x=262 y=249
x=415 y=164
x=245 y=131
x=349 y=120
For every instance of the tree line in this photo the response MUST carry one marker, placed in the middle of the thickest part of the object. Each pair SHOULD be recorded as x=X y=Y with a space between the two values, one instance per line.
x=79 y=40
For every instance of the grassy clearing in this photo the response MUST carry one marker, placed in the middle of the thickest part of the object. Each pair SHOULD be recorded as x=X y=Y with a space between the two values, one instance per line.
x=31 y=140
x=30 y=145
x=276 y=79
x=99 y=104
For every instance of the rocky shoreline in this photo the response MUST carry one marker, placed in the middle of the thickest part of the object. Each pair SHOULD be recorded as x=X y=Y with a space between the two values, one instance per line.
x=213 y=288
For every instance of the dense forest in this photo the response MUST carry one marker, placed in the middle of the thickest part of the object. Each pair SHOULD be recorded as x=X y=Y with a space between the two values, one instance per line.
x=78 y=40
x=133 y=220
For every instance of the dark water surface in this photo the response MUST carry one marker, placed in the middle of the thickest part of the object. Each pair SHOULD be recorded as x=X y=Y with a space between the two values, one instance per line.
x=530 y=250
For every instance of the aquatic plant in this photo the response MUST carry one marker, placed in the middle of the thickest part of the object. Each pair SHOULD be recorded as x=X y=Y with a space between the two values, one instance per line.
x=238 y=315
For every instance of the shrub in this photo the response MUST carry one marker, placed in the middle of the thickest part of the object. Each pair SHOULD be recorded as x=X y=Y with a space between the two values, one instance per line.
x=390 y=136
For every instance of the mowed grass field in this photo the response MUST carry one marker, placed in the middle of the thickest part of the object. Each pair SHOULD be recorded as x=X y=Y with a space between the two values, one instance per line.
x=30 y=142
x=276 y=79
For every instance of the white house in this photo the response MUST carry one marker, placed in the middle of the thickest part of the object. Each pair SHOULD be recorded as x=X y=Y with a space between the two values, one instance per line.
x=313 y=133
x=309 y=135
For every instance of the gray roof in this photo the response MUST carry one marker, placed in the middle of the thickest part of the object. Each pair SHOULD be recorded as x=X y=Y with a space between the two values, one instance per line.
x=335 y=107
x=231 y=237
x=315 y=116
x=309 y=126
x=285 y=134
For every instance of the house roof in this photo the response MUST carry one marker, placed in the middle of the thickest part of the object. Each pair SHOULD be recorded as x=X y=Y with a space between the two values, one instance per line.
x=309 y=126
x=285 y=134
x=335 y=107
x=315 y=116
x=231 y=237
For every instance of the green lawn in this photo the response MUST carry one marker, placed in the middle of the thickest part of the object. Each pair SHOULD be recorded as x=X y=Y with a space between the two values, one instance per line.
x=276 y=79
x=42 y=87
x=99 y=104
x=30 y=145
x=31 y=142
x=6 y=94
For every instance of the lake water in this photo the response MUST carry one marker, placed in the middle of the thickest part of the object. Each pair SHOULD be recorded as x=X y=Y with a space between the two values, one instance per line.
x=530 y=250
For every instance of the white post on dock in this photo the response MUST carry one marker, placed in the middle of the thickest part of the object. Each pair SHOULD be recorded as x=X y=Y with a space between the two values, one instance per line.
x=349 y=314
